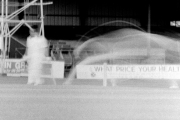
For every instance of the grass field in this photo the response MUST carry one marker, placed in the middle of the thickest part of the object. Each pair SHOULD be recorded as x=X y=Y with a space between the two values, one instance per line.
x=88 y=100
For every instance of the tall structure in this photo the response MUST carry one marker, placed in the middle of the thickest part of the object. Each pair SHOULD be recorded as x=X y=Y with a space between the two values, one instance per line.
x=9 y=17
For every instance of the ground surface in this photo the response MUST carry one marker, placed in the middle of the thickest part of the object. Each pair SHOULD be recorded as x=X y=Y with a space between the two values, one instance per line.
x=88 y=100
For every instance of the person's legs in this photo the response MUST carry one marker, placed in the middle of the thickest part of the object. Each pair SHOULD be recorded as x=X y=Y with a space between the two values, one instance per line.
x=38 y=74
x=38 y=79
x=34 y=72
x=35 y=68
x=31 y=77
x=34 y=77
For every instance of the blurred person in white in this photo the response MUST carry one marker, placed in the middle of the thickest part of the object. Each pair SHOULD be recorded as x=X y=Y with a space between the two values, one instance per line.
x=36 y=53
x=1 y=45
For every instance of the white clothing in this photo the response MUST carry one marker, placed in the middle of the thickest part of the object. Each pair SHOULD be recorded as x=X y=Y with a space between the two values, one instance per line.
x=36 y=44
x=1 y=43
x=36 y=53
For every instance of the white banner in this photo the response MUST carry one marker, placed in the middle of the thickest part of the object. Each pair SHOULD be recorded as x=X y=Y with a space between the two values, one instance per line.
x=128 y=71
x=16 y=67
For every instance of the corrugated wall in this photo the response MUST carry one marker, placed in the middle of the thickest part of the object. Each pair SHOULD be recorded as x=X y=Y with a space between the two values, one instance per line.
x=67 y=13
x=111 y=15
x=62 y=13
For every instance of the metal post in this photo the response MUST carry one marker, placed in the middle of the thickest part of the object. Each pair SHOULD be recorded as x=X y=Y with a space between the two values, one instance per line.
x=149 y=30
x=42 y=17
x=9 y=44
x=105 y=75
x=178 y=49
x=2 y=18
x=2 y=35
x=6 y=31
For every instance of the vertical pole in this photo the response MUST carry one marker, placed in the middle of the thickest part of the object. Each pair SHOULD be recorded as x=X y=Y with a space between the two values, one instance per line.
x=5 y=39
x=149 y=19
x=178 y=49
x=2 y=35
x=42 y=18
x=25 y=11
x=6 y=30
x=105 y=75
x=2 y=18
x=149 y=30
x=9 y=44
